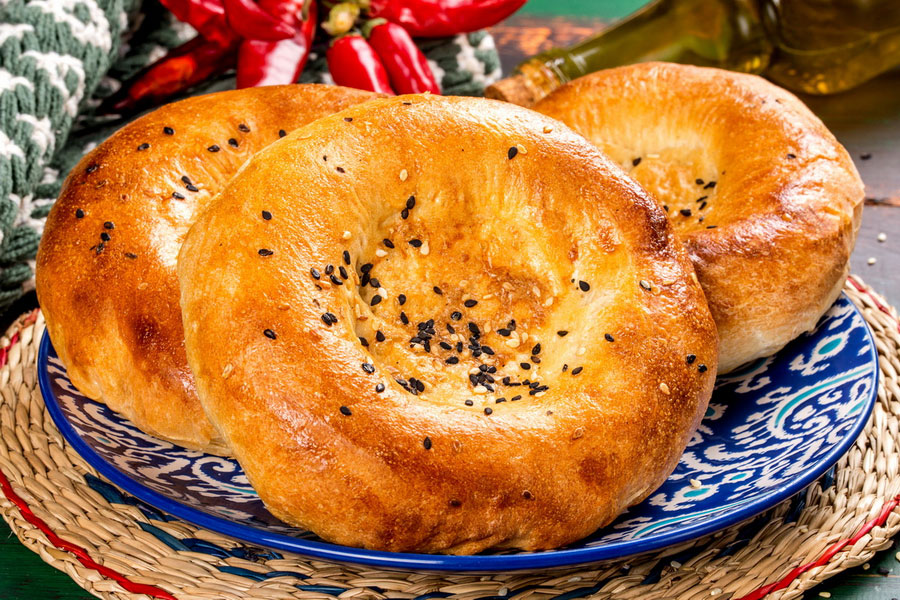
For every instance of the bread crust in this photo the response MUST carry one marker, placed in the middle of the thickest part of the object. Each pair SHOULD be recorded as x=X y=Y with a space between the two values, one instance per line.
x=111 y=303
x=786 y=203
x=478 y=201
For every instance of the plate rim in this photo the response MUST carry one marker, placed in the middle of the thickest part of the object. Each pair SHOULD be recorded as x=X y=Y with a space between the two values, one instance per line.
x=449 y=562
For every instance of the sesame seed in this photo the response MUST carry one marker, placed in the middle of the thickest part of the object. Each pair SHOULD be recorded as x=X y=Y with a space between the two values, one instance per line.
x=456 y=315
x=282 y=133
x=690 y=358
x=882 y=237
x=178 y=196
x=695 y=483
x=346 y=256
x=415 y=243
x=584 y=286
x=269 y=334
x=608 y=337
x=375 y=300
x=346 y=236
x=636 y=161
x=470 y=303
x=410 y=202
x=79 y=214
x=168 y=131
x=437 y=291
x=404 y=174
x=872 y=260
x=562 y=333
x=368 y=368
x=266 y=215
x=143 y=147
x=577 y=370
x=427 y=443
x=547 y=128
x=213 y=148
x=315 y=273
x=511 y=153
x=488 y=410
x=701 y=368
x=664 y=388
x=345 y=411
x=645 y=284
x=265 y=252
x=232 y=142
x=379 y=387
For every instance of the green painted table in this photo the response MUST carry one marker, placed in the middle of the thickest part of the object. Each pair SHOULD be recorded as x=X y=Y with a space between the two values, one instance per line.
x=866 y=120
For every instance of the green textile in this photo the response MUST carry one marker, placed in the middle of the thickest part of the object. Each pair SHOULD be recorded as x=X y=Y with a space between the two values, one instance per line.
x=60 y=58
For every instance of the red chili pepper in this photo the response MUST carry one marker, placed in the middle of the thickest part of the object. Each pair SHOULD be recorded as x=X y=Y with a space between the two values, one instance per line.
x=440 y=18
x=185 y=66
x=206 y=16
x=274 y=63
x=353 y=63
x=407 y=67
x=250 y=21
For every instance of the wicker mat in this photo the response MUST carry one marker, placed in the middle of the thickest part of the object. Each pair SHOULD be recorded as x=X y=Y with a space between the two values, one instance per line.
x=115 y=546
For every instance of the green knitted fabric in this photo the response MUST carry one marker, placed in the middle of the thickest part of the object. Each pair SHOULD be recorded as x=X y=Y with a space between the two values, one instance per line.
x=59 y=58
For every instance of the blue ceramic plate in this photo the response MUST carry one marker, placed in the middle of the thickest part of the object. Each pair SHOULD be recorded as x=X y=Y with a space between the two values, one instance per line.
x=770 y=430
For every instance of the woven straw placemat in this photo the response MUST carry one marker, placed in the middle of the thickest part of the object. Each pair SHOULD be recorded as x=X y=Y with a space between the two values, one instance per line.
x=115 y=546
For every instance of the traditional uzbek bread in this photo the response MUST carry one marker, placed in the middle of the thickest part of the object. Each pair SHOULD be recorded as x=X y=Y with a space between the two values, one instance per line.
x=766 y=200
x=445 y=325
x=106 y=264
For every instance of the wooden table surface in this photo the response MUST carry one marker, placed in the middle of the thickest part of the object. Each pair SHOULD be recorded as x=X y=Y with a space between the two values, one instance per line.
x=865 y=120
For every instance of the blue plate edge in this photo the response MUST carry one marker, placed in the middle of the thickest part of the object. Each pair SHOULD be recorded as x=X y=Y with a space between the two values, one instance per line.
x=445 y=562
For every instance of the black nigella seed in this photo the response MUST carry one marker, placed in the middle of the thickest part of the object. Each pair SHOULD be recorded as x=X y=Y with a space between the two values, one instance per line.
x=244 y=128
x=178 y=195
x=410 y=202
x=450 y=328
x=130 y=255
x=375 y=300
x=168 y=131
x=791 y=155
x=343 y=272
x=415 y=243
x=562 y=333
x=265 y=252
x=326 y=318
x=266 y=215
x=608 y=337
x=445 y=346
x=213 y=148
x=104 y=236
x=269 y=334
x=191 y=188
x=686 y=212
x=346 y=256
x=388 y=243
x=703 y=205
x=282 y=133
x=340 y=169
x=452 y=360
x=419 y=385
x=109 y=225
x=511 y=153
x=487 y=350
x=315 y=273
x=500 y=400
x=527 y=495
x=91 y=169
x=469 y=403
x=584 y=286
x=368 y=368
x=690 y=358
x=865 y=156
x=711 y=226
x=379 y=387
x=345 y=411
x=701 y=368
x=536 y=350
x=456 y=315
x=525 y=366
x=565 y=368
x=404 y=214
x=348 y=119
x=403 y=318
x=470 y=303
x=232 y=142
x=364 y=342
x=437 y=291
x=504 y=332
x=645 y=284
x=186 y=179
x=488 y=410
x=329 y=269
x=379 y=337
x=143 y=147
x=366 y=268
x=698 y=181
x=99 y=247
x=333 y=278
x=636 y=161
x=473 y=328
x=401 y=299
x=427 y=443
x=701 y=198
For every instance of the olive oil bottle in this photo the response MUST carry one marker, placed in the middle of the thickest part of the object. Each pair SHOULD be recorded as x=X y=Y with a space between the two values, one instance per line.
x=811 y=46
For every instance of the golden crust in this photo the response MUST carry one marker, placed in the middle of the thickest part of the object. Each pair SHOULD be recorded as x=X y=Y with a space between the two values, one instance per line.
x=113 y=313
x=300 y=401
x=786 y=202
